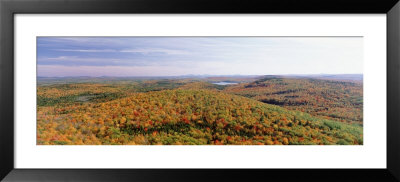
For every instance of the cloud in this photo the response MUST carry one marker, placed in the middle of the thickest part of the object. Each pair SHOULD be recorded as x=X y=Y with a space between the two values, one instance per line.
x=84 y=40
x=201 y=55
x=141 y=51
x=86 y=50
x=157 y=50
x=79 y=61
x=60 y=58
x=96 y=71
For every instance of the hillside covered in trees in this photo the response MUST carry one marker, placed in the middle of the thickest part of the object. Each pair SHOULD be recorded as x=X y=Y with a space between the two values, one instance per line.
x=333 y=99
x=196 y=111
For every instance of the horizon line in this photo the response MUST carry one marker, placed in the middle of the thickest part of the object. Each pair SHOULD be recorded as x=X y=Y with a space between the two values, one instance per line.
x=209 y=75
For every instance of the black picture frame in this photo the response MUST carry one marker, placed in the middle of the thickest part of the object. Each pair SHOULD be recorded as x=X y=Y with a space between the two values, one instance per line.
x=10 y=7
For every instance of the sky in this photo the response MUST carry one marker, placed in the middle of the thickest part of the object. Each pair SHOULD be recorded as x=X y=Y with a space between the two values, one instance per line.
x=177 y=56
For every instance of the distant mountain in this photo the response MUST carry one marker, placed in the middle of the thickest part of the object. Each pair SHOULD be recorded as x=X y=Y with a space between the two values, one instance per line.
x=355 y=77
x=209 y=78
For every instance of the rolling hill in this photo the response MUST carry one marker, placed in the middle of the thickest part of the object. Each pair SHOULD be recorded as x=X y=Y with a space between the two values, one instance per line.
x=190 y=117
x=331 y=99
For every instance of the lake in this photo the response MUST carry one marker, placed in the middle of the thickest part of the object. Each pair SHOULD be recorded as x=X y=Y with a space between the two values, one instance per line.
x=224 y=83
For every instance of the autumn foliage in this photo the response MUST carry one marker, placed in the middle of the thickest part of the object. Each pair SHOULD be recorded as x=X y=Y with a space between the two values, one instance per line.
x=193 y=112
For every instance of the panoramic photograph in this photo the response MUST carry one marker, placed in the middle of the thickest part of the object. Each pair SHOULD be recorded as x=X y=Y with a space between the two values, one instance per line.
x=199 y=90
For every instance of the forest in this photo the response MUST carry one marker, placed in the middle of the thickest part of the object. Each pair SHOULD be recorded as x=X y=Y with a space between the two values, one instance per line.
x=226 y=110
